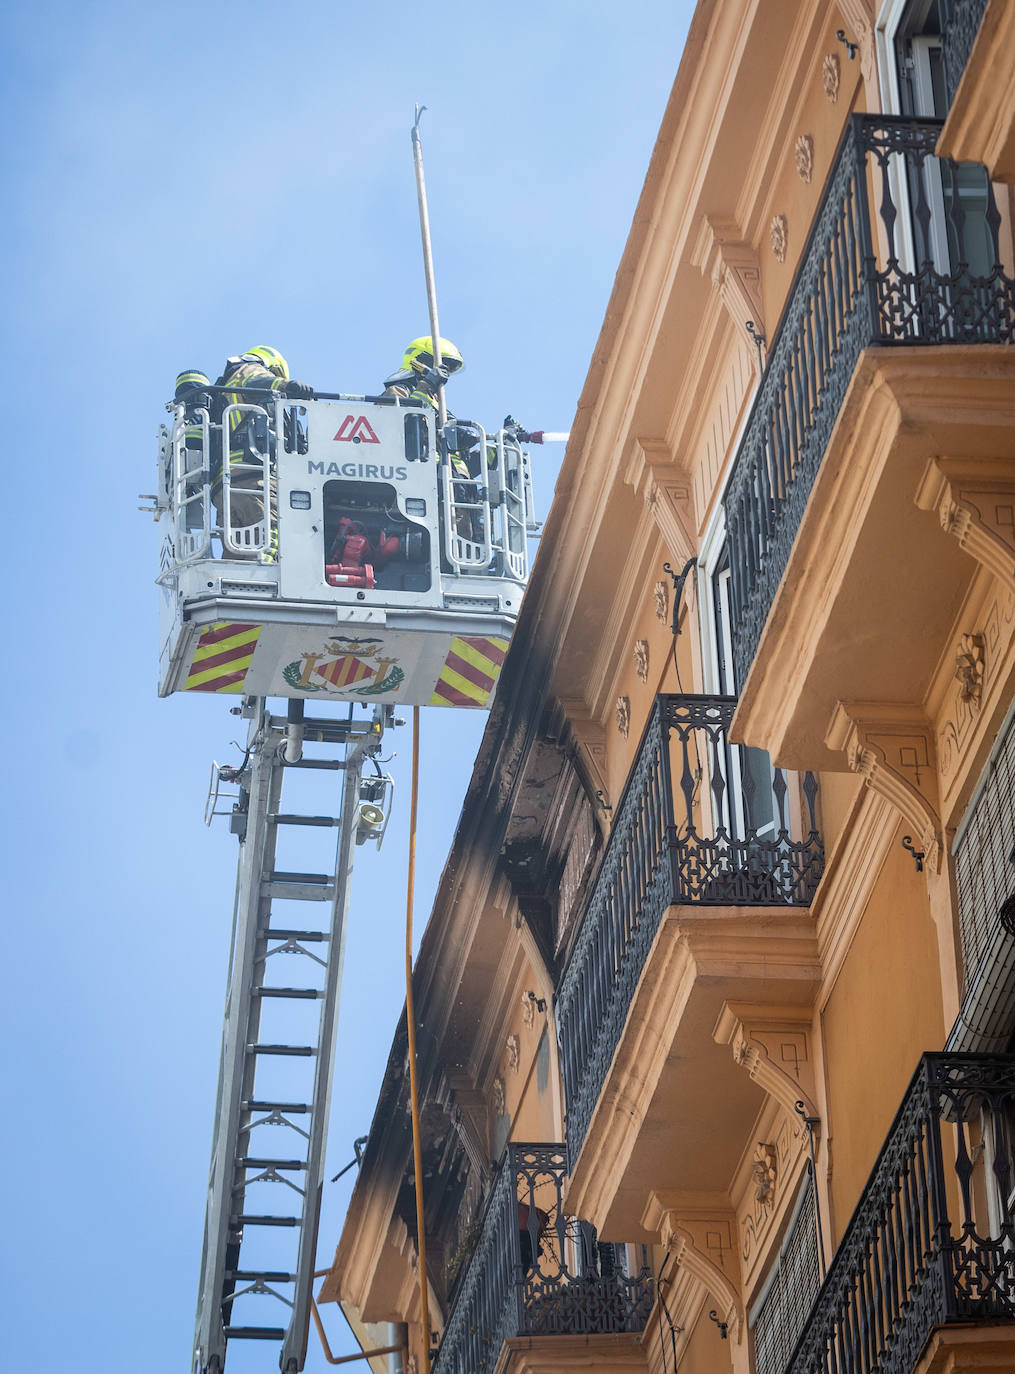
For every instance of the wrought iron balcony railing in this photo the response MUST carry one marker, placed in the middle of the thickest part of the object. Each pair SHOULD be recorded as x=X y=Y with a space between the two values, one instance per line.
x=888 y=201
x=960 y=23
x=932 y=1240
x=530 y=1273
x=729 y=844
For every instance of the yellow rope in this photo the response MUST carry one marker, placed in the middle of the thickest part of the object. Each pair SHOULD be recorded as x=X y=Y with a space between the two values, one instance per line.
x=410 y=1018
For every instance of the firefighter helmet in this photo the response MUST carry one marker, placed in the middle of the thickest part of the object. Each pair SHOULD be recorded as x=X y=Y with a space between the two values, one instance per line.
x=419 y=355
x=271 y=358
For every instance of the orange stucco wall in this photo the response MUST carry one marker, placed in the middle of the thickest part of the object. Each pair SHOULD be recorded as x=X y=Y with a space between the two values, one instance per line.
x=873 y=1036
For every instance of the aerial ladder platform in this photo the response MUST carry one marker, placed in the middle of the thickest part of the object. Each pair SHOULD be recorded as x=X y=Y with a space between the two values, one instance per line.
x=365 y=578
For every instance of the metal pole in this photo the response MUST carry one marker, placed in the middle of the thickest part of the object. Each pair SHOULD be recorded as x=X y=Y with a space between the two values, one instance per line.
x=431 y=287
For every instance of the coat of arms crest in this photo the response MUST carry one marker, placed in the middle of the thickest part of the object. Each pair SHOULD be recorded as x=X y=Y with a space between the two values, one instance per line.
x=345 y=665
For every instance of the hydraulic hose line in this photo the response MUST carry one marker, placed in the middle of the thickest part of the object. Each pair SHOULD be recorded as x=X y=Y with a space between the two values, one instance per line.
x=410 y=1020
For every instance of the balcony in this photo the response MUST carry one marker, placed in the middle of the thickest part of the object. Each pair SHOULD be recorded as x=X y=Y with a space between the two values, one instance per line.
x=932 y=1242
x=694 y=827
x=850 y=292
x=985 y=887
x=854 y=402
x=532 y=1274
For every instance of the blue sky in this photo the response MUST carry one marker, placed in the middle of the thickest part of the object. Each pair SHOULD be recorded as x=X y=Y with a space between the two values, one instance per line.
x=181 y=182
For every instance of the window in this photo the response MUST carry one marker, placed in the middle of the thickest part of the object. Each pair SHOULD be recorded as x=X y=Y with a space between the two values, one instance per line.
x=749 y=771
x=792 y=1283
x=962 y=226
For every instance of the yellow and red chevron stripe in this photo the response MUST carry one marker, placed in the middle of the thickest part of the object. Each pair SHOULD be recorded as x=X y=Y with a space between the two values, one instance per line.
x=469 y=672
x=222 y=657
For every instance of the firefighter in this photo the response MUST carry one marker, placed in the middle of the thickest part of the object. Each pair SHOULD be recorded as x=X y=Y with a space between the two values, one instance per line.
x=419 y=380
x=259 y=369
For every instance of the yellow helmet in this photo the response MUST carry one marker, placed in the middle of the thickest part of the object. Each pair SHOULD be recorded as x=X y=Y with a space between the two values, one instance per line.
x=419 y=355
x=271 y=358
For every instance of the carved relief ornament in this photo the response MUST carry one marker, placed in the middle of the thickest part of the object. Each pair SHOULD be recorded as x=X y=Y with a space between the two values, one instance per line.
x=803 y=155
x=778 y=235
x=661 y=601
x=622 y=711
x=830 y=73
x=641 y=659
x=969 y=667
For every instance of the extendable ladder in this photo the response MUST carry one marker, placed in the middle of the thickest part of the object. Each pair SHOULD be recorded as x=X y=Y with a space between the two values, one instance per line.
x=278 y=1040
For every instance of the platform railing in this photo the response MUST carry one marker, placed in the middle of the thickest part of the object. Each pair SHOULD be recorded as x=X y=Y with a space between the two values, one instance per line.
x=887 y=203
x=692 y=828
x=526 y=1275
x=960 y=23
x=932 y=1240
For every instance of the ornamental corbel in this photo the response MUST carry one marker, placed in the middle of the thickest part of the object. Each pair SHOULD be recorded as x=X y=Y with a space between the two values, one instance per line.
x=735 y=272
x=702 y=1242
x=772 y=1045
x=892 y=747
x=975 y=504
x=666 y=490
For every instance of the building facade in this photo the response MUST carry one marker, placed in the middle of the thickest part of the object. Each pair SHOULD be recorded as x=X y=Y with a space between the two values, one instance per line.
x=716 y=1003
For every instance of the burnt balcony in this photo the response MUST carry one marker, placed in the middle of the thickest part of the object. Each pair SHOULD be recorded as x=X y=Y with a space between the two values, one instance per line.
x=932 y=1241
x=701 y=822
x=536 y=1272
x=887 y=203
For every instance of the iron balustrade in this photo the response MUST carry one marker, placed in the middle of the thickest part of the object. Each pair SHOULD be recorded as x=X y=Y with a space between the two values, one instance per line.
x=960 y=23
x=732 y=845
x=526 y=1276
x=887 y=201
x=985 y=865
x=932 y=1240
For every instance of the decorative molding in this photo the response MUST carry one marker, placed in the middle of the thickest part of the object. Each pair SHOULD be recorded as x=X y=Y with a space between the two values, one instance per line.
x=975 y=505
x=803 y=156
x=773 y=1044
x=735 y=272
x=528 y=1010
x=778 y=234
x=831 y=70
x=512 y=1046
x=641 y=659
x=969 y=669
x=892 y=746
x=622 y=711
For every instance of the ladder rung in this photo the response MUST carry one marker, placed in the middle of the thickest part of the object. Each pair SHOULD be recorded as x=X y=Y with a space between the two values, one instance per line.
x=248 y=1163
x=265 y=1275
x=298 y=935
x=315 y=763
x=284 y=876
x=287 y=992
x=287 y=818
x=286 y=1108
x=255 y=1333
x=298 y=892
x=245 y=1220
x=302 y=1050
